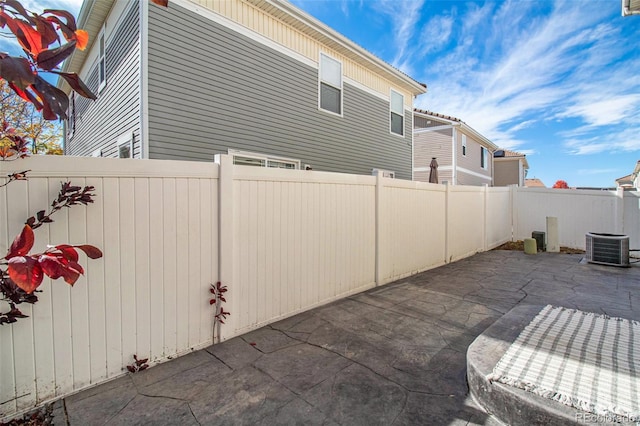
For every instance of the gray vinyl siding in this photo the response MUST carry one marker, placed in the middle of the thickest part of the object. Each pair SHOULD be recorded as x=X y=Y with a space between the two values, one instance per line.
x=99 y=123
x=226 y=91
x=506 y=172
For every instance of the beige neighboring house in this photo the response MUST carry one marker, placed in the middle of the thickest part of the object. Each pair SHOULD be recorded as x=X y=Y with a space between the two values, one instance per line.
x=464 y=156
x=631 y=181
x=509 y=168
x=534 y=183
x=630 y=7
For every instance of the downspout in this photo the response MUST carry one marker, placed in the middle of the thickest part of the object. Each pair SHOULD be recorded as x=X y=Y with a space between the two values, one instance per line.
x=454 y=154
x=144 y=81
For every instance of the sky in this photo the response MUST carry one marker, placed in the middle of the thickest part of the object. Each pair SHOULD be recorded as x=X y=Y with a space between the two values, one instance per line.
x=556 y=80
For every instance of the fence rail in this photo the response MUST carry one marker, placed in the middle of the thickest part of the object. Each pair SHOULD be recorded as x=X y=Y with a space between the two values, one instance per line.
x=282 y=241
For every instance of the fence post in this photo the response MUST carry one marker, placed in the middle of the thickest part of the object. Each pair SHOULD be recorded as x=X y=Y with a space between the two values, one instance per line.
x=446 y=222
x=486 y=219
x=378 y=230
x=619 y=211
x=513 y=192
x=225 y=239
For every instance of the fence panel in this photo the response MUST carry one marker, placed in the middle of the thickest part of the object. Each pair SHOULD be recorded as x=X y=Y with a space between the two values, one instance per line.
x=301 y=239
x=498 y=217
x=156 y=223
x=413 y=228
x=465 y=221
x=632 y=219
x=578 y=212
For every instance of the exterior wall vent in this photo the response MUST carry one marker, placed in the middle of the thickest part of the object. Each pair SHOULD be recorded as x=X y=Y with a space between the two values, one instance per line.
x=608 y=249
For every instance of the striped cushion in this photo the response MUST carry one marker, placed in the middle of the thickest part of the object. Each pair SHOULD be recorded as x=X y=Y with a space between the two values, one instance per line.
x=584 y=360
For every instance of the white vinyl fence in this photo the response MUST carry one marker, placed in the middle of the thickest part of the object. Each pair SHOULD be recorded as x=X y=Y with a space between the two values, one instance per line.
x=578 y=212
x=282 y=241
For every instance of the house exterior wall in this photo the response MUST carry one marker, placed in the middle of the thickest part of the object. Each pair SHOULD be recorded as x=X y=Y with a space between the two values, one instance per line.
x=424 y=122
x=429 y=144
x=469 y=171
x=233 y=91
x=506 y=172
x=296 y=39
x=116 y=112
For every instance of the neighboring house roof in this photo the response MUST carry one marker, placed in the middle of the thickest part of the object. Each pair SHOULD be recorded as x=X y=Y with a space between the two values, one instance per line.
x=510 y=155
x=628 y=180
x=630 y=7
x=464 y=127
x=94 y=12
x=534 y=183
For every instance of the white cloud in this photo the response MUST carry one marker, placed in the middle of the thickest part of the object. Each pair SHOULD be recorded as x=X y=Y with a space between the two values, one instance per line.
x=404 y=17
x=514 y=68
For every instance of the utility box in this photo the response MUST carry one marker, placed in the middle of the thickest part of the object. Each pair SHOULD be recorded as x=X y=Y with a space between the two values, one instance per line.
x=539 y=236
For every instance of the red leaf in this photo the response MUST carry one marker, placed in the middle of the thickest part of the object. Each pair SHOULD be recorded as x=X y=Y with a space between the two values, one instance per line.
x=69 y=34
x=69 y=252
x=18 y=8
x=16 y=71
x=56 y=266
x=54 y=101
x=27 y=96
x=82 y=39
x=91 y=251
x=131 y=369
x=51 y=58
x=71 y=21
x=47 y=32
x=22 y=244
x=212 y=301
x=25 y=272
x=31 y=39
x=163 y=3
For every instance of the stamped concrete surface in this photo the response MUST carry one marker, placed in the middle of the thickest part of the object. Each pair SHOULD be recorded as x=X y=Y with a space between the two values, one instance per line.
x=392 y=355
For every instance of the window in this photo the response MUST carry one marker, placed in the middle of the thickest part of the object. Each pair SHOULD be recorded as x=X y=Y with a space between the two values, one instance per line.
x=125 y=145
x=102 y=70
x=71 y=115
x=396 y=104
x=464 y=145
x=261 y=160
x=484 y=158
x=330 y=84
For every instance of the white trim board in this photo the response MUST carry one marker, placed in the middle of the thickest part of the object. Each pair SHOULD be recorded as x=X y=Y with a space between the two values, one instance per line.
x=432 y=129
x=472 y=173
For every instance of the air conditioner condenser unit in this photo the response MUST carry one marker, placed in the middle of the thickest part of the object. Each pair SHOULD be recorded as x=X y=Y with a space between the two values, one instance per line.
x=608 y=249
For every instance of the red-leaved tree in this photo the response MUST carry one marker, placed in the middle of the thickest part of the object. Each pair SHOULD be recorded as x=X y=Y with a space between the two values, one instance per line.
x=47 y=39
x=560 y=184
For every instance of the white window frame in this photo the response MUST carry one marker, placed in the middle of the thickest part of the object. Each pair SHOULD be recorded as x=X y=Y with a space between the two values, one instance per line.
x=484 y=158
x=321 y=81
x=102 y=45
x=266 y=158
x=464 y=145
x=125 y=139
x=401 y=113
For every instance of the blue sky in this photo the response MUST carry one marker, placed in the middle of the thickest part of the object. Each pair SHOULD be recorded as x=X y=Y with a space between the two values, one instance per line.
x=559 y=81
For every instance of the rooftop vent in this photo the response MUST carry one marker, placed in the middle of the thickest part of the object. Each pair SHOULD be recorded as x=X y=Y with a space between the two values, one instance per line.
x=498 y=153
x=608 y=249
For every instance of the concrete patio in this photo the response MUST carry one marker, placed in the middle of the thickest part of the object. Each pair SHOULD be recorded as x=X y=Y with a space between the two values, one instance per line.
x=392 y=355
